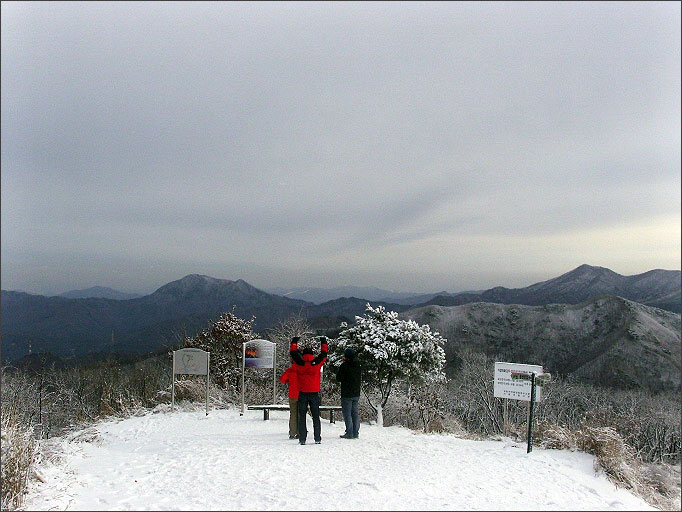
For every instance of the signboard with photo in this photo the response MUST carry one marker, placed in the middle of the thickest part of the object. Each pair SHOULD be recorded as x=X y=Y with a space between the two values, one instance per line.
x=259 y=354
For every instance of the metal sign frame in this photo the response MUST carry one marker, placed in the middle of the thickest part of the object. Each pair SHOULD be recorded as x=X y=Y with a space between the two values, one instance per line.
x=263 y=363
x=186 y=366
x=529 y=374
x=504 y=375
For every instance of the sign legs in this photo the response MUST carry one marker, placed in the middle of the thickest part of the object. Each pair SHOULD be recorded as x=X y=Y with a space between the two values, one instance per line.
x=531 y=410
x=173 y=387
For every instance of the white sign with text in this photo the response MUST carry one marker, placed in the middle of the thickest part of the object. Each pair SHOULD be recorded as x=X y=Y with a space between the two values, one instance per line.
x=518 y=389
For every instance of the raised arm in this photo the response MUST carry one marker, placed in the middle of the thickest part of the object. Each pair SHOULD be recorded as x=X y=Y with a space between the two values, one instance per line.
x=294 y=353
x=323 y=352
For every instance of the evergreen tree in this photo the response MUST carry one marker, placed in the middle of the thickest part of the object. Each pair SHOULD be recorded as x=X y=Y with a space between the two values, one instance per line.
x=224 y=340
x=390 y=349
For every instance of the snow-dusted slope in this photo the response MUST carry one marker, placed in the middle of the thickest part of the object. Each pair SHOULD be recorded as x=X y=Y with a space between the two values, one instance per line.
x=189 y=461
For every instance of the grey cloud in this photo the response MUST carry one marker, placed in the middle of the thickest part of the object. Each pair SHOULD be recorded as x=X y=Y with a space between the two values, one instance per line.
x=334 y=125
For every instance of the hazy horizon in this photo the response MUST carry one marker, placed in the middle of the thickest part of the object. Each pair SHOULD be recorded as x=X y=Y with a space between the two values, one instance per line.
x=407 y=146
x=303 y=286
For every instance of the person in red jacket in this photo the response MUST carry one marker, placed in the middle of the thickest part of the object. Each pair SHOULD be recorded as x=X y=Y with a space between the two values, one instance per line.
x=308 y=368
x=290 y=376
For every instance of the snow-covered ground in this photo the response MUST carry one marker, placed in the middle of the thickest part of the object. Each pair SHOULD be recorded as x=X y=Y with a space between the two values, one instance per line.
x=189 y=461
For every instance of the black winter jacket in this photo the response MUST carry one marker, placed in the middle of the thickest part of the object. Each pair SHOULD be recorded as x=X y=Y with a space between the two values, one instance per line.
x=349 y=375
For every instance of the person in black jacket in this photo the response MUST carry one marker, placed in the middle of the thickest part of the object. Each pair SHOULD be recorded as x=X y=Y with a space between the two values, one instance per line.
x=350 y=375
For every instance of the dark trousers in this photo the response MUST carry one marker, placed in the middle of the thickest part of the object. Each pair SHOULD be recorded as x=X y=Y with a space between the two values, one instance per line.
x=351 y=416
x=311 y=400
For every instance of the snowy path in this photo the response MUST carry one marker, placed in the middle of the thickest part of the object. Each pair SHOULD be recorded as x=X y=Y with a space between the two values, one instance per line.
x=187 y=461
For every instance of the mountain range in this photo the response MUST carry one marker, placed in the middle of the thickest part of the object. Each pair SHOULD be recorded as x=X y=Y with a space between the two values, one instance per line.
x=99 y=292
x=75 y=327
x=320 y=295
x=605 y=340
x=658 y=288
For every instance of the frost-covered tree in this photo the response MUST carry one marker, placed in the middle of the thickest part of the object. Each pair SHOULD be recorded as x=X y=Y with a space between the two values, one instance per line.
x=388 y=349
x=224 y=341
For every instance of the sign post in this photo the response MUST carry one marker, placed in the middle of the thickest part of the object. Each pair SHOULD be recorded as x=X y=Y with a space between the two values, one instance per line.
x=521 y=382
x=530 y=413
x=190 y=361
x=259 y=354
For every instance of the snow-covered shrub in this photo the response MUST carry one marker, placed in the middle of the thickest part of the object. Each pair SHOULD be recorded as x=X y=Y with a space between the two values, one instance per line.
x=389 y=349
x=190 y=391
x=661 y=485
x=613 y=455
x=554 y=437
x=18 y=451
x=224 y=340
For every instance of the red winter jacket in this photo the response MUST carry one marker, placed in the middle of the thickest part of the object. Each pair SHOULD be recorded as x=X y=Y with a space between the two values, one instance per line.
x=308 y=367
x=290 y=375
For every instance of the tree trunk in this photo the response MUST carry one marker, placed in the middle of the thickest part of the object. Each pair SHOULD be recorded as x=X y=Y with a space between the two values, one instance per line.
x=380 y=415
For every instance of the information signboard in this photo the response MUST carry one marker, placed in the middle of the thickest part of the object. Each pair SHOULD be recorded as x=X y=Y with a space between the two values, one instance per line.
x=505 y=386
x=259 y=354
x=190 y=361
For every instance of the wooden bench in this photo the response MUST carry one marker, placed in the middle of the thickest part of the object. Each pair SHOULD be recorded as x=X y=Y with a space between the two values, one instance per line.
x=279 y=407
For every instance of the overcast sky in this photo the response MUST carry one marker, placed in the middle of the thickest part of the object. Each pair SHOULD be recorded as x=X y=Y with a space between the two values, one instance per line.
x=410 y=146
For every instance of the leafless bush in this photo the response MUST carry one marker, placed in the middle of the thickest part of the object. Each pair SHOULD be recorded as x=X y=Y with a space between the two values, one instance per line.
x=429 y=402
x=661 y=485
x=648 y=423
x=18 y=455
x=295 y=325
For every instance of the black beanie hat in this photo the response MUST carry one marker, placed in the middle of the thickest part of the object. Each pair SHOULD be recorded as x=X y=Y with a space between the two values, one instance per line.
x=349 y=353
x=307 y=350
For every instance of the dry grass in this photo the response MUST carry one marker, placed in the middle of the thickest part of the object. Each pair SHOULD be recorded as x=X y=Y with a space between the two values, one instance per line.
x=18 y=457
x=658 y=484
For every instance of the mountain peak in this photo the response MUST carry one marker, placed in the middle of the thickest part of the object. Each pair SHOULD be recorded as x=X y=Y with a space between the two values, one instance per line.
x=591 y=269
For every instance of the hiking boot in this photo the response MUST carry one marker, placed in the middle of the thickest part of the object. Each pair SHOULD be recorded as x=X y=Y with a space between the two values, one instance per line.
x=293 y=437
x=301 y=442
x=346 y=436
x=318 y=442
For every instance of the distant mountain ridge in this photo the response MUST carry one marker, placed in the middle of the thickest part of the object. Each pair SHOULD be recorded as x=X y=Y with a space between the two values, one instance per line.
x=99 y=292
x=321 y=295
x=658 y=288
x=75 y=327
x=605 y=340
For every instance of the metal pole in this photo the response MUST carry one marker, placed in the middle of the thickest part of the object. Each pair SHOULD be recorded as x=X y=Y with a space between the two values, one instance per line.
x=173 y=387
x=530 y=413
x=506 y=417
x=274 y=374
x=208 y=370
x=243 y=356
